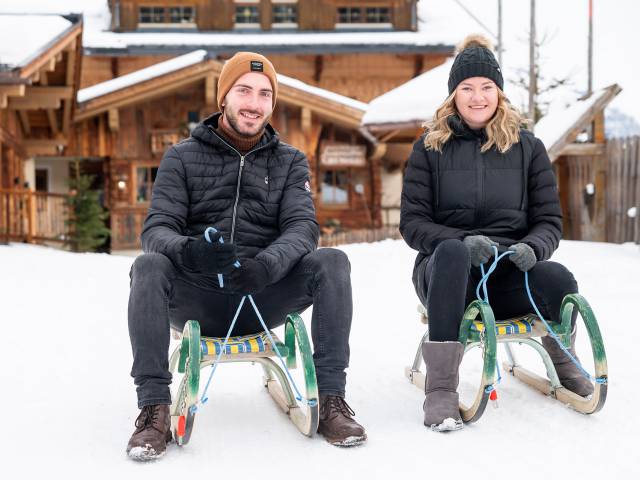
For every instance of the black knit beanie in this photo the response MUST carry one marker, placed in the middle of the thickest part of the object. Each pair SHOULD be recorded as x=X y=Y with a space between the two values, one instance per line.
x=475 y=59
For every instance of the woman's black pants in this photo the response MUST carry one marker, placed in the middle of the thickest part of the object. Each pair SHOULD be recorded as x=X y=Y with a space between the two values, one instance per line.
x=446 y=283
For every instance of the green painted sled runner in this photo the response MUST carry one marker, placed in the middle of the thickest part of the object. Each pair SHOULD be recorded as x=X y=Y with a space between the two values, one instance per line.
x=480 y=329
x=196 y=352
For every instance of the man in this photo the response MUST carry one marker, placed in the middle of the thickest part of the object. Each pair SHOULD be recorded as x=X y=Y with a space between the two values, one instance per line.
x=235 y=174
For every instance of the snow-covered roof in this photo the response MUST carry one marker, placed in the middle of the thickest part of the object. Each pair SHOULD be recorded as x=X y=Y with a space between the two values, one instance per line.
x=194 y=58
x=142 y=75
x=321 y=92
x=413 y=101
x=554 y=125
x=24 y=37
x=434 y=29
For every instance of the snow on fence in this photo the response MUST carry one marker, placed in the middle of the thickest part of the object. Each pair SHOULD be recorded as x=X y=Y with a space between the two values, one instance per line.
x=623 y=190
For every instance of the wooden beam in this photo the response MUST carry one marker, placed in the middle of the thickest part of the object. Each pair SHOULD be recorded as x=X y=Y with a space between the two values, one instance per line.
x=305 y=119
x=44 y=146
x=69 y=81
x=30 y=103
x=63 y=92
x=13 y=90
x=50 y=66
x=102 y=137
x=24 y=120
x=4 y=101
x=582 y=149
x=41 y=98
x=8 y=138
x=114 y=120
x=390 y=135
x=51 y=114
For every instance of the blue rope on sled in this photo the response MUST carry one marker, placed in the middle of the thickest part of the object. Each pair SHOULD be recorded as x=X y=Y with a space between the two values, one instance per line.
x=214 y=366
x=483 y=284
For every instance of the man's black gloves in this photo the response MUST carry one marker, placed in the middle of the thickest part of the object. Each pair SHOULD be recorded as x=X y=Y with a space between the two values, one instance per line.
x=215 y=257
x=251 y=277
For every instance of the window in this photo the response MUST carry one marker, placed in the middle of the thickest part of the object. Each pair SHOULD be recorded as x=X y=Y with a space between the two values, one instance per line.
x=335 y=187
x=247 y=14
x=161 y=16
x=145 y=176
x=151 y=15
x=378 y=15
x=349 y=15
x=355 y=15
x=285 y=14
x=182 y=15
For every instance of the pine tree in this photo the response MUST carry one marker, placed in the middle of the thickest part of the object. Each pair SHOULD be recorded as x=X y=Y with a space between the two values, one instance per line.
x=86 y=222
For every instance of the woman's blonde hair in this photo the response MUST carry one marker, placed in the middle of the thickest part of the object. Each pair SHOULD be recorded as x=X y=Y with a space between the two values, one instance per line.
x=503 y=130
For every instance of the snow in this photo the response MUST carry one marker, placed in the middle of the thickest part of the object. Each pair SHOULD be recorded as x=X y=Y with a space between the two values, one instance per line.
x=142 y=75
x=414 y=101
x=553 y=126
x=321 y=92
x=69 y=402
x=43 y=29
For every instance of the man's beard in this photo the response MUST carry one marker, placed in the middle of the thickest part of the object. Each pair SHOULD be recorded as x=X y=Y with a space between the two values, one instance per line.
x=232 y=118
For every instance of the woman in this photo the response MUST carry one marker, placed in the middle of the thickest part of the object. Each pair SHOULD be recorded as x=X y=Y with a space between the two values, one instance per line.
x=475 y=180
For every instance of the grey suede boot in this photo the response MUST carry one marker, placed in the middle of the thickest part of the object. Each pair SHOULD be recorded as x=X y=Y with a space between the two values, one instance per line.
x=442 y=360
x=570 y=377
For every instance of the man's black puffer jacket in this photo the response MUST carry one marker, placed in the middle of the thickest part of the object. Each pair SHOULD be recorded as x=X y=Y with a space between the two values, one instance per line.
x=198 y=184
x=510 y=197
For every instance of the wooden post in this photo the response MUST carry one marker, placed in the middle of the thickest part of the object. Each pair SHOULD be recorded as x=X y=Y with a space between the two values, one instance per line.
x=31 y=216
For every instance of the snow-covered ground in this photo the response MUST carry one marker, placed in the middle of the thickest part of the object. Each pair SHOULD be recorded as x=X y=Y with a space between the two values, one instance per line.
x=69 y=403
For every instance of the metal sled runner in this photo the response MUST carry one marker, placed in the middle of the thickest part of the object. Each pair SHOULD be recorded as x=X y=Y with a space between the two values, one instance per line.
x=196 y=352
x=480 y=329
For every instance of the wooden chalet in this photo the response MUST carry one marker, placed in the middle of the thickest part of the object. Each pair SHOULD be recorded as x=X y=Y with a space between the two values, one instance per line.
x=358 y=48
x=127 y=123
x=38 y=85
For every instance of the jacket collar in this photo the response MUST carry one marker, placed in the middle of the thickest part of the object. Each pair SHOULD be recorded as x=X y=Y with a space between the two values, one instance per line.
x=204 y=132
x=461 y=129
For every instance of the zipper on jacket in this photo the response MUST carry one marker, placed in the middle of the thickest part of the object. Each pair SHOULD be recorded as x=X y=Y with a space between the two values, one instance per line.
x=480 y=179
x=235 y=204
x=242 y=157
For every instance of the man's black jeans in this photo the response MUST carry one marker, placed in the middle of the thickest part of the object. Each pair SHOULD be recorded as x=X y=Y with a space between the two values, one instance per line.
x=446 y=283
x=161 y=296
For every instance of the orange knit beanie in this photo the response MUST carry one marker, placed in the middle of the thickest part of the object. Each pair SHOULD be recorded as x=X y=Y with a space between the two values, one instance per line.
x=238 y=65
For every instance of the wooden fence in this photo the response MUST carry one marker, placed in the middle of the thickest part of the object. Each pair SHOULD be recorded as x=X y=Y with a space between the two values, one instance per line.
x=623 y=190
x=33 y=217
x=359 y=236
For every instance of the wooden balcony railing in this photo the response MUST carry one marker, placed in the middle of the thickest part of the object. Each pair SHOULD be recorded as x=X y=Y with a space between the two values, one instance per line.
x=33 y=217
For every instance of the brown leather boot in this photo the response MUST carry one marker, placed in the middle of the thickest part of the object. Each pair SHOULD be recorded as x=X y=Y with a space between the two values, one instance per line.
x=153 y=432
x=336 y=424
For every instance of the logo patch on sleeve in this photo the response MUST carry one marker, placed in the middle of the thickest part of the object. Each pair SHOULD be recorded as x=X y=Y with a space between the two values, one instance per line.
x=307 y=186
x=256 y=66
